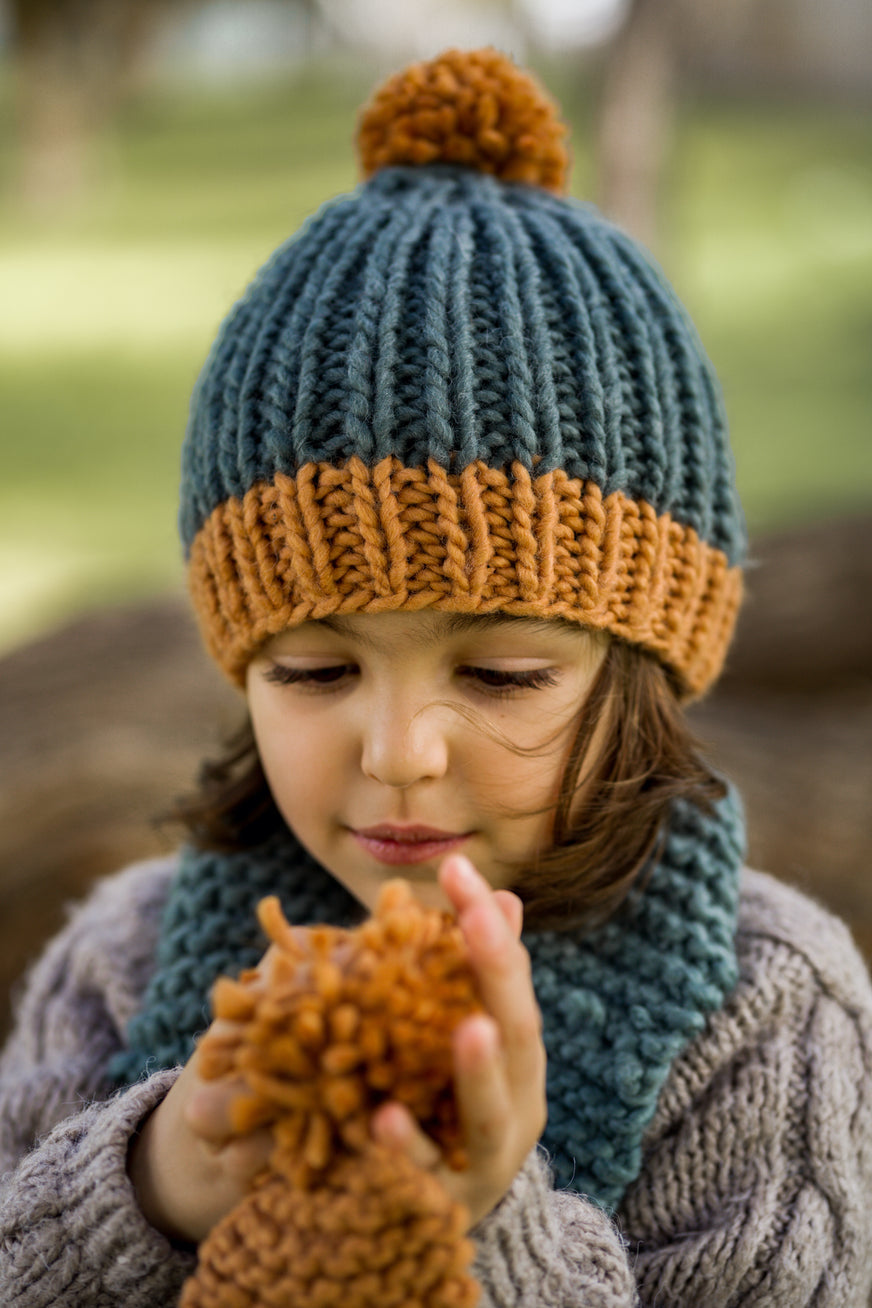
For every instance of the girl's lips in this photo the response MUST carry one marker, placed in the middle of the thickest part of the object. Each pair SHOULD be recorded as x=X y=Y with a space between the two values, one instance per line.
x=407 y=845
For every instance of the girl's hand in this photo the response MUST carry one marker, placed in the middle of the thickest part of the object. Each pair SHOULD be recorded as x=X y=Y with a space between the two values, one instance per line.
x=189 y=1170
x=186 y=1166
x=499 y=1058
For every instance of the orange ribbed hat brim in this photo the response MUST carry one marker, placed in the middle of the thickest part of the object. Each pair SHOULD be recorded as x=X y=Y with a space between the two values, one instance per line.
x=356 y=539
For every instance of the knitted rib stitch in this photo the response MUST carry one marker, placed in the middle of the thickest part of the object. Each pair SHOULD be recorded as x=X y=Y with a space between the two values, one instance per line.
x=426 y=316
x=454 y=390
x=618 y=1003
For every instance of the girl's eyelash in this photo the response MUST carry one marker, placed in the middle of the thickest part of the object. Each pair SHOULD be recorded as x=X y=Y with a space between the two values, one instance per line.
x=503 y=683
x=283 y=676
x=493 y=681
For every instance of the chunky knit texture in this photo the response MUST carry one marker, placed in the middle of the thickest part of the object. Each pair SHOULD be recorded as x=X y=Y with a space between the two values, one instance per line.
x=458 y=391
x=475 y=109
x=342 y=1021
x=756 y=1177
x=618 y=1002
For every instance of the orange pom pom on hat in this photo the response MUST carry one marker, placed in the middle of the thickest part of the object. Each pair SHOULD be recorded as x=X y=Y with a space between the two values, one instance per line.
x=477 y=110
x=457 y=388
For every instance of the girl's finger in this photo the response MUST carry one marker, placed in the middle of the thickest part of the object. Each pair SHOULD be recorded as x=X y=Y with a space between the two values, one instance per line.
x=465 y=885
x=502 y=967
x=483 y=1096
x=461 y=881
x=244 y=1156
x=394 y=1127
x=512 y=910
x=207 y=1111
x=488 y=920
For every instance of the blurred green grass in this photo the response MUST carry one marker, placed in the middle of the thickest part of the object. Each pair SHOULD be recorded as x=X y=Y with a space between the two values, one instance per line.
x=108 y=311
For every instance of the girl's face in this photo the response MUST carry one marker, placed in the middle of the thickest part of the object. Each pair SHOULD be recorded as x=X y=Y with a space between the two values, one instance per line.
x=362 y=725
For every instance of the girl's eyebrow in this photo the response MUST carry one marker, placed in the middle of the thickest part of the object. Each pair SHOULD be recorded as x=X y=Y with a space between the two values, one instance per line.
x=437 y=626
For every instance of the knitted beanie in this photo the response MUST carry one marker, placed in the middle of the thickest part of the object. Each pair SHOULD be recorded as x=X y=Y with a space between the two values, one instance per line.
x=457 y=388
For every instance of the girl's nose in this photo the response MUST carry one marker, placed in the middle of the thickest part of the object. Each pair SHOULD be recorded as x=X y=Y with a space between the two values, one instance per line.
x=403 y=745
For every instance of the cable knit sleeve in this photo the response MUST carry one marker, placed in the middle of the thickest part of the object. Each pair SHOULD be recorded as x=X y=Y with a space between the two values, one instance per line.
x=71 y=1232
x=757 y=1182
x=544 y=1249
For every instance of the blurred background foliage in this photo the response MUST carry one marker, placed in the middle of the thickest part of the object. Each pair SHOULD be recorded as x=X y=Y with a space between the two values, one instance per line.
x=152 y=154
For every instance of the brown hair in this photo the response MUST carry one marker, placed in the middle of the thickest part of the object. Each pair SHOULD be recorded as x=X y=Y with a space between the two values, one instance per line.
x=648 y=758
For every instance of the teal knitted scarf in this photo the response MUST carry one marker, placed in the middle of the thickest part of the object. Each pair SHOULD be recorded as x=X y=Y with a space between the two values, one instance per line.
x=619 y=1002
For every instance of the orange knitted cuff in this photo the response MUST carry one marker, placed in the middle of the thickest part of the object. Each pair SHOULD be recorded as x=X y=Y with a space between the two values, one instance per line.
x=355 y=539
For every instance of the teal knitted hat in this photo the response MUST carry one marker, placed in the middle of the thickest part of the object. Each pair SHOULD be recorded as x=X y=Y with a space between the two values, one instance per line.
x=457 y=388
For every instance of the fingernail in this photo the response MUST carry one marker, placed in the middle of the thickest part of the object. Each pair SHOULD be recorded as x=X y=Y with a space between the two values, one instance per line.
x=466 y=873
x=486 y=1035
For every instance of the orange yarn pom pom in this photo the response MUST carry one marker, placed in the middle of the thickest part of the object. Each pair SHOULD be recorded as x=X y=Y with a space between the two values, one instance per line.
x=339 y=1021
x=474 y=108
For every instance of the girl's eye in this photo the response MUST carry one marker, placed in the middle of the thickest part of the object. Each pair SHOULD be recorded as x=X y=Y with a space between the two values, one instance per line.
x=491 y=681
x=503 y=683
x=311 y=677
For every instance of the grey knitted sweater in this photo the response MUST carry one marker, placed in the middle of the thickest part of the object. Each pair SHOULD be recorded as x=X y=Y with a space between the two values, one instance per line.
x=756 y=1186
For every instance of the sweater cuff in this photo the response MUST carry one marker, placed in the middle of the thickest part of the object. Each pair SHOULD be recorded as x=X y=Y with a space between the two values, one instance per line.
x=72 y=1231
x=551 y=1249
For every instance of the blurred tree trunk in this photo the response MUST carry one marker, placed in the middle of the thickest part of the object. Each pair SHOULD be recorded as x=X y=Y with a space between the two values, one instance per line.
x=636 y=115
x=661 y=45
x=74 y=60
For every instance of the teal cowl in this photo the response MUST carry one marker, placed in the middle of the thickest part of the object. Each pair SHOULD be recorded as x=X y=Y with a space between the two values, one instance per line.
x=619 y=1002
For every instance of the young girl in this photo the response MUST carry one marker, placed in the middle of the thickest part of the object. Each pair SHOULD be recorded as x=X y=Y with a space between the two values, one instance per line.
x=458 y=505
